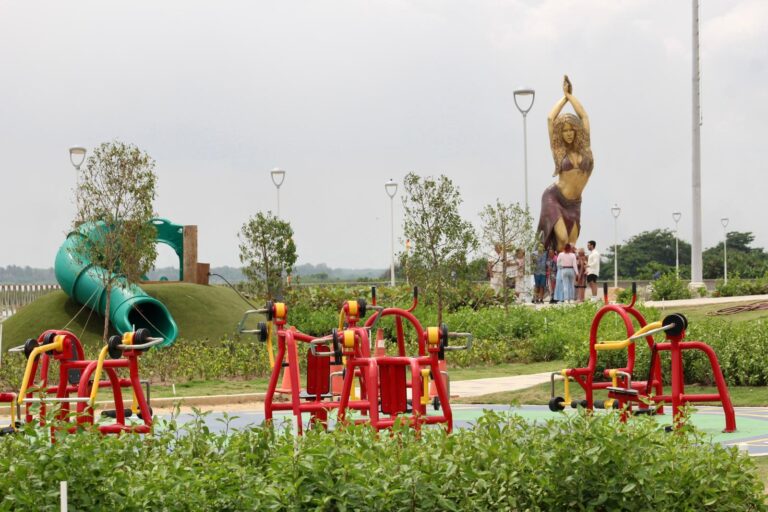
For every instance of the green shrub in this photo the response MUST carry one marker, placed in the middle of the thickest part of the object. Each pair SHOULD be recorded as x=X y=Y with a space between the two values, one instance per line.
x=504 y=463
x=737 y=286
x=669 y=287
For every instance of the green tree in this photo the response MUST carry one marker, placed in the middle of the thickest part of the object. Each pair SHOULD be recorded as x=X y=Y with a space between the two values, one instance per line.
x=267 y=251
x=440 y=238
x=510 y=227
x=115 y=194
x=743 y=260
x=648 y=254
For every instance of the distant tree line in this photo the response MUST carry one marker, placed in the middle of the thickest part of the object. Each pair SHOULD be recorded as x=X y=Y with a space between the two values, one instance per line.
x=651 y=254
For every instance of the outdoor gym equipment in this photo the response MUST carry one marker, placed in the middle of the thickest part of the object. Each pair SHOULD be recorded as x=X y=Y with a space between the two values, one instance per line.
x=384 y=385
x=648 y=395
x=83 y=377
x=346 y=354
x=423 y=347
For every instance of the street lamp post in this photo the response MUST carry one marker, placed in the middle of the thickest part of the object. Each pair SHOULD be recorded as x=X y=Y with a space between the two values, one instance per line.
x=278 y=176
x=676 y=217
x=724 y=222
x=391 y=188
x=77 y=157
x=615 y=211
x=524 y=94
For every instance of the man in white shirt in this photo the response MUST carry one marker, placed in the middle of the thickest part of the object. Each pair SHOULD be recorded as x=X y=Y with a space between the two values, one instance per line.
x=593 y=267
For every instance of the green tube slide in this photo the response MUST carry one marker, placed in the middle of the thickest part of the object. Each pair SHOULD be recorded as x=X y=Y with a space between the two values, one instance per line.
x=130 y=306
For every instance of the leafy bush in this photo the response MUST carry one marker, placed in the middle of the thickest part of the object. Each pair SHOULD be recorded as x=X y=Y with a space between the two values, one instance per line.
x=669 y=287
x=503 y=463
x=737 y=286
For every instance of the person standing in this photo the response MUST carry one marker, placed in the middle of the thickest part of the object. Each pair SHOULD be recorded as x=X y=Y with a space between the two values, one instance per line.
x=581 y=275
x=496 y=269
x=593 y=267
x=552 y=273
x=539 y=274
x=566 y=261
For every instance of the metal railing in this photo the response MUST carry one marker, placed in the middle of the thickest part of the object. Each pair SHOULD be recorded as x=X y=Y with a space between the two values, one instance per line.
x=15 y=296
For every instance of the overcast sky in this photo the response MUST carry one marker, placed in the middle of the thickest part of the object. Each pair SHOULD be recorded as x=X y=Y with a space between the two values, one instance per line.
x=344 y=95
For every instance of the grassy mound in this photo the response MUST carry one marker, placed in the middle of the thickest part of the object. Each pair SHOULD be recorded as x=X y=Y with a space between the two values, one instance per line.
x=201 y=312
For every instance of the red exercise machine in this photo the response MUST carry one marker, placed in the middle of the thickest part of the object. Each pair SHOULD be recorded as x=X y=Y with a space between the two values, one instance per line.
x=648 y=395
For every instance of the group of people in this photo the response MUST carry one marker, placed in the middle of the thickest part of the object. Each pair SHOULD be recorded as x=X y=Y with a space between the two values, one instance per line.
x=566 y=275
x=563 y=277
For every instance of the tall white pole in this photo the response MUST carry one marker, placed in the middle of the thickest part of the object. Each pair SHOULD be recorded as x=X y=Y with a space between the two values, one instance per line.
x=616 y=252
x=525 y=158
x=677 y=255
x=696 y=259
x=392 y=240
x=615 y=211
x=390 y=188
x=725 y=257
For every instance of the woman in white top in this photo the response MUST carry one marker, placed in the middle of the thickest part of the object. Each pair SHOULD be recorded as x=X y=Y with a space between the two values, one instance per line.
x=568 y=264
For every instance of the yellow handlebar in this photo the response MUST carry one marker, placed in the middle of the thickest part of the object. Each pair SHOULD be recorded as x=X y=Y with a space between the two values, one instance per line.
x=618 y=345
x=57 y=345
x=97 y=374
x=425 y=386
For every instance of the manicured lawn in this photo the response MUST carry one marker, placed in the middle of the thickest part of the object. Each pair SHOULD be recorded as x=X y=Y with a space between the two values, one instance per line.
x=695 y=313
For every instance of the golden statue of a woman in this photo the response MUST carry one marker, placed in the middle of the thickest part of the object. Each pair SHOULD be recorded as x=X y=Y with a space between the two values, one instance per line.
x=560 y=220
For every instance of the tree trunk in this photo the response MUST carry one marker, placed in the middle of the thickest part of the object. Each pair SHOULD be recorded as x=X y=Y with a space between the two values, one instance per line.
x=105 y=335
x=439 y=304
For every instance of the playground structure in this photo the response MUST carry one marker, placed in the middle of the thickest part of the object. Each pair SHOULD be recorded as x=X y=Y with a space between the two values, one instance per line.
x=130 y=307
x=81 y=377
x=623 y=391
x=384 y=381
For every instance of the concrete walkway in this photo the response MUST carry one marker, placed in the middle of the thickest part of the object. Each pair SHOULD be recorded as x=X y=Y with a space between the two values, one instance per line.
x=478 y=387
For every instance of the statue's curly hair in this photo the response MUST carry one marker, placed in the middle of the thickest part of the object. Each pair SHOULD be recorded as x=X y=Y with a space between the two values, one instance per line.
x=581 y=142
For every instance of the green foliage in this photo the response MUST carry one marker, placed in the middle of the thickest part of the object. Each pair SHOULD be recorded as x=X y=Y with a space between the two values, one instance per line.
x=503 y=463
x=743 y=260
x=440 y=238
x=737 y=286
x=267 y=252
x=644 y=254
x=115 y=194
x=506 y=228
x=668 y=287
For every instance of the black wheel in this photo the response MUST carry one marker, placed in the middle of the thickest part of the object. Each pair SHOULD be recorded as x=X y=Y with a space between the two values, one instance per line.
x=29 y=346
x=436 y=403
x=556 y=404
x=362 y=306
x=140 y=336
x=575 y=404
x=263 y=333
x=112 y=343
x=679 y=321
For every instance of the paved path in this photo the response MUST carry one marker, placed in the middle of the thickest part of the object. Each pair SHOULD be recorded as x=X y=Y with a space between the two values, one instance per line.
x=478 y=387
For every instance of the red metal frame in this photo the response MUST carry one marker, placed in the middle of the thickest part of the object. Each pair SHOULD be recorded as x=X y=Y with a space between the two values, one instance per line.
x=675 y=346
x=72 y=346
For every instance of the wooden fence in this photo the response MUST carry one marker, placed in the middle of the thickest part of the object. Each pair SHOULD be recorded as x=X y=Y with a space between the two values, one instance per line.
x=14 y=296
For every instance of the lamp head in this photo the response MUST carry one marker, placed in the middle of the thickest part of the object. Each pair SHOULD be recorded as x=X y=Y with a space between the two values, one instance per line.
x=278 y=176
x=615 y=211
x=77 y=156
x=676 y=216
x=391 y=188
x=724 y=221
x=524 y=95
